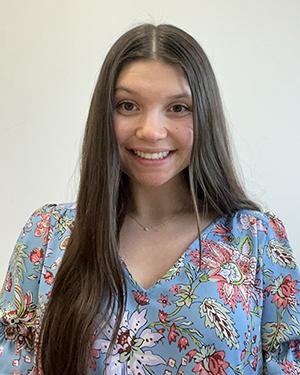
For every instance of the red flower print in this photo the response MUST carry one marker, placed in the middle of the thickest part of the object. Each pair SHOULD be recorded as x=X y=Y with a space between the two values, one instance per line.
x=224 y=232
x=284 y=293
x=216 y=364
x=195 y=258
x=183 y=343
x=48 y=277
x=162 y=316
x=191 y=354
x=43 y=227
x=36 y=255
x=243 y=353
x=254 y=363
x=220 y=230
x=8 y=285
x=141 y=298
x=28 y=298
x=161 y=330
x=234 y=272
x=164 y=300
x=277 y=226
x=175 y=289
x=288 y=367
x=173 y=333
x=93 y=356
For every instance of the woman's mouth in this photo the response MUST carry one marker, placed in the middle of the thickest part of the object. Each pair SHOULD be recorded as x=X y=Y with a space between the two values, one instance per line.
x=152 y=155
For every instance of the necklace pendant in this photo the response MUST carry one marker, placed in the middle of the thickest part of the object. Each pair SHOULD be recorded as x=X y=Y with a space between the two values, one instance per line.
x=146 y=229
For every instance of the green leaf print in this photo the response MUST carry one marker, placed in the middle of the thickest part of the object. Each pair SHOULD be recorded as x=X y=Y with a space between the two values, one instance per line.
x=186 y=296
x=18 y=262
x=63 y=223
x=274 y=333
x=32 y=277
x=174 y=270
x=217 y=317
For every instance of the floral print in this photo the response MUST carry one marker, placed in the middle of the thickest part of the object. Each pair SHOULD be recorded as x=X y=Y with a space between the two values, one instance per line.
x=229 y=306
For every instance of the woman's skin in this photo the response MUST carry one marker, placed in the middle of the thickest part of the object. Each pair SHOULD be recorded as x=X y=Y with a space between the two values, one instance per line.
x=153 y=113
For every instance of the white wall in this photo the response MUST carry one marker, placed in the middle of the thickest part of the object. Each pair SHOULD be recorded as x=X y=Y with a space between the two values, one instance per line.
x=51 y=52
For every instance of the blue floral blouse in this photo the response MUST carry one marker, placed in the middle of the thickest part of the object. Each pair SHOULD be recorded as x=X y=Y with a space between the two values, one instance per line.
x=235 y=313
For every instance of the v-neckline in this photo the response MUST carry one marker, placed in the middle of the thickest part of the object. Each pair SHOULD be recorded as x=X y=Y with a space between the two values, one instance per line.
x=204 y=232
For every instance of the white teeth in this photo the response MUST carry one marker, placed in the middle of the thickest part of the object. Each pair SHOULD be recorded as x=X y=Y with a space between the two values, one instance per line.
x=154 y=156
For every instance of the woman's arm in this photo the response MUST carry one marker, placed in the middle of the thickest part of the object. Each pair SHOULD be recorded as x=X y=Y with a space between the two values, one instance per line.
x=281 y=313
x=19 y=298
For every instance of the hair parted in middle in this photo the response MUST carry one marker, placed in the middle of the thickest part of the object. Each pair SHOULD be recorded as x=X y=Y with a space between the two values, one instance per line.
x=90 y=276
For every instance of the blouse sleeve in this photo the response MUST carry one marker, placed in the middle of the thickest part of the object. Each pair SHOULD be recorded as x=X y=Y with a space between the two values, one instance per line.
x=19 y=298
x=281 y=311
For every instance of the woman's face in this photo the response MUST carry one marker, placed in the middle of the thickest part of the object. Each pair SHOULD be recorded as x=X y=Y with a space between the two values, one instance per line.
x=153 y=121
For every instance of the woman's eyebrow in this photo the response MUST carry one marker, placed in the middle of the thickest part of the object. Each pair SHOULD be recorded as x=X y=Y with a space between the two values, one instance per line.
x=182 y=95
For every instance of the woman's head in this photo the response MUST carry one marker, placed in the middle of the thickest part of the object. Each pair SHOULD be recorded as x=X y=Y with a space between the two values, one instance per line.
x=210 y=163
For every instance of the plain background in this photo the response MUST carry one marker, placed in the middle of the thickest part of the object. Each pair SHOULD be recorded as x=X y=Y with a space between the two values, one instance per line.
x=51 y=53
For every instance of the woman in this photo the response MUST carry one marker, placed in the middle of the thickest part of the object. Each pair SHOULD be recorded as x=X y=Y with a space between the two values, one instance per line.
x=163 y=265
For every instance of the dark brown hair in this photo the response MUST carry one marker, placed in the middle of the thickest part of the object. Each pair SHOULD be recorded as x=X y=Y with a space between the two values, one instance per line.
x=90 y=280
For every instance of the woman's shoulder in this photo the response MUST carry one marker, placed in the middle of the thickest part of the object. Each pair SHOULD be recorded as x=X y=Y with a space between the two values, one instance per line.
x=62 y=208
x=264 y=224
x=51 y=213
x=255 y=217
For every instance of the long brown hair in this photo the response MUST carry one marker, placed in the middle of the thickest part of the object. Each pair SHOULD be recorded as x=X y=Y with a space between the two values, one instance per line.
x=90 y=281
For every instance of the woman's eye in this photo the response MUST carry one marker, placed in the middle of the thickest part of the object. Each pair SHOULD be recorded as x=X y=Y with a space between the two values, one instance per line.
x=126 y=106
x=180 y=108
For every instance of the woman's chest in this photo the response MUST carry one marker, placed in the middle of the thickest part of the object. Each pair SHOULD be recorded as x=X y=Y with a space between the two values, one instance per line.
x=188 y=319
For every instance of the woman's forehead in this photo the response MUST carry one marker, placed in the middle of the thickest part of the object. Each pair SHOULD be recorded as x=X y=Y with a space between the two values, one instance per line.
x=153 y=76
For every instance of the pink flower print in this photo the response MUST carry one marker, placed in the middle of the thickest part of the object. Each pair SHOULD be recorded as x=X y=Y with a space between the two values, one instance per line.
x=284 y=291
x=161 y=330
x=49 y=277
x=43 y=227
x=36 y=255
x=254 y=363
x=211 y=363
x=223 y=231
x=164 y=300
x=234 y=272
x=191 y=354
x=175 y=289
x=182 y=343
x=195 y=258
x=8 y=284
x=243 y=353
x=289 y=368
x=248 y=222
x=173 y=334
x=277 y=226
x=162 y=316
x=141 y=298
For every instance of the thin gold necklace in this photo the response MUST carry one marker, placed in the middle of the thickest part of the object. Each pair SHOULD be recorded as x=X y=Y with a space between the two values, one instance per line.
x=147 y=228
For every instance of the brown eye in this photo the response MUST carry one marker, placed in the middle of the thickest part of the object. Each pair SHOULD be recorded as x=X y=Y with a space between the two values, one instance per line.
x=126 y=106
x=179 y=108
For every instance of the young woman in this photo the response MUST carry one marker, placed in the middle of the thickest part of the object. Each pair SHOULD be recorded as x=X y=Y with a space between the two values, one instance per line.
x=163 y=265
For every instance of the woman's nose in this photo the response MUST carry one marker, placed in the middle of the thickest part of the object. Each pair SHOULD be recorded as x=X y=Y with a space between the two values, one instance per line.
x=152 y=127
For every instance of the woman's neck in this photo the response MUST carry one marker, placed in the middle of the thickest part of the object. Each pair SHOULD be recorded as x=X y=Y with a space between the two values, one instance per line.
x=157 y=203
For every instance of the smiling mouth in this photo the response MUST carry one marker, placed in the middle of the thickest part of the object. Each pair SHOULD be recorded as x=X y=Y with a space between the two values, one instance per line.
x=151 y=156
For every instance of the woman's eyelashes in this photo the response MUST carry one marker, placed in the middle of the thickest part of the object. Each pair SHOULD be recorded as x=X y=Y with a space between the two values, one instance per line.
x=127 y=106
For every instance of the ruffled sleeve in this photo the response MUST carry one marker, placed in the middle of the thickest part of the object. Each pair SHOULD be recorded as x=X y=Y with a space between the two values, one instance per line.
x=281 y=311
x=19 y=298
